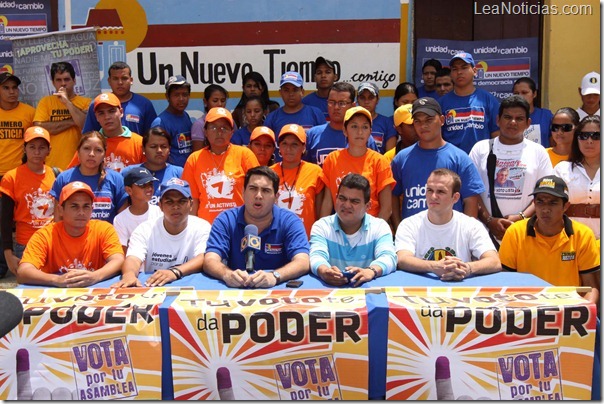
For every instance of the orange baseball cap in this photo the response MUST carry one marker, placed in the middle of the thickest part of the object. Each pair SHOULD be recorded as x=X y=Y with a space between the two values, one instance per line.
x=72 y=188
x=217 y=113
x=107 y=98
x=293 y=129
x=357 y=110
x=262 y=131
x=34 y=132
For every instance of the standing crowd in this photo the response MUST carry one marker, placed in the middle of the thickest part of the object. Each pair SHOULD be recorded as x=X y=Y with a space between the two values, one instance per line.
x=455 y=183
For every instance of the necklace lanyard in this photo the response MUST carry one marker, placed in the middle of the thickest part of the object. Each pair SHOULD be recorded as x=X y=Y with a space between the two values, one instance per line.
x=224 y=153
x=293 y=187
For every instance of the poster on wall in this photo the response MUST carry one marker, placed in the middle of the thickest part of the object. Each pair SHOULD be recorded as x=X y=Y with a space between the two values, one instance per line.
x=33 y=56
x=489 y=343
x=499 y=63
x=84 y=344
x=269 y=345
x=20 y=18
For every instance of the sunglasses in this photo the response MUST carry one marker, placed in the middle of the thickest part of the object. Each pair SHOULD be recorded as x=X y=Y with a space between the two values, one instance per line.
x=587 y=135
x=566 y=127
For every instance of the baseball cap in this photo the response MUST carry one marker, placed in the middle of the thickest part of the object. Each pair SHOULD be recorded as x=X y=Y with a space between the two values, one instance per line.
x=357 y=110
x=404 y=115
x=34 y=132
x=553 y=185
x=107 y=98
x=427 y=105
x=590 y=84
x=466 y=57
x=372 y=88
x=73 y=187
x=322 y=61
x=292 y=78
x=175 y=80
x=4 y=77
x=175 y=184
x=293 y=129
x=217 y=113
x=138 y=176
x=262 y=131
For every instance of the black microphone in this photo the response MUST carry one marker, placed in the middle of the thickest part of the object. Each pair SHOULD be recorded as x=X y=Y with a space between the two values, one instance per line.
x=250 y=244
x=11 y=312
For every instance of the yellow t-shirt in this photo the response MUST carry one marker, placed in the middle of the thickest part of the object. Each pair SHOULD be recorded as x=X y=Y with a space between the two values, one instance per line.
x=554 y=157
x=13 y=124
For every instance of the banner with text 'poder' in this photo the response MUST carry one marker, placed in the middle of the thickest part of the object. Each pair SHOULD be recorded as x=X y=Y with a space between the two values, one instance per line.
x=489 y=343
x=269 y=345
x=85 y=344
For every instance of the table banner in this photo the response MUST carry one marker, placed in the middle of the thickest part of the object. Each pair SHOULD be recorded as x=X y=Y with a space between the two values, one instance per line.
x=270 y=345
x=85 y=344
x=489 y=343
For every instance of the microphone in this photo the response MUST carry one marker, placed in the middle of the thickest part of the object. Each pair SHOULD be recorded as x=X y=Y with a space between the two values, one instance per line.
x=250 y=244
x=11 y=313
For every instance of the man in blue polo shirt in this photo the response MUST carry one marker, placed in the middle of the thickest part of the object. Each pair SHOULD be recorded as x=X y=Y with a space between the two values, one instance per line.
x=283 y=250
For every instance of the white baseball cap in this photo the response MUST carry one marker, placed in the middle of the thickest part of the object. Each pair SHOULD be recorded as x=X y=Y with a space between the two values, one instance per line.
x=590 y=84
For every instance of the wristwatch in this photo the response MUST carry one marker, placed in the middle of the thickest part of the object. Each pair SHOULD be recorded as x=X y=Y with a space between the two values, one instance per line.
x=374 y=272
x=277 y=276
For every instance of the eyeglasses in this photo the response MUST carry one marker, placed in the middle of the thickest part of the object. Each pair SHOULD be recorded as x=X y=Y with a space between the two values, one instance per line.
x=586 y=135
x=566 y=127
x=222 y=129
x=341 y=104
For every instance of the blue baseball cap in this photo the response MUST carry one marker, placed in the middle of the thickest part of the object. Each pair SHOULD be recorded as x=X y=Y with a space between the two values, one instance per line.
x=292 y=78
x=176 y=184
x=466 y=57
x=138 y=176
x=175 y=80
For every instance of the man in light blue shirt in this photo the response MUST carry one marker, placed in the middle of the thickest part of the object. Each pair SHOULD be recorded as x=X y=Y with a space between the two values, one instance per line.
x=351 y=246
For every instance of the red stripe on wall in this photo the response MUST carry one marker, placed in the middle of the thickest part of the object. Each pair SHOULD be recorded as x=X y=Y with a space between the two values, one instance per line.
x=272 y=33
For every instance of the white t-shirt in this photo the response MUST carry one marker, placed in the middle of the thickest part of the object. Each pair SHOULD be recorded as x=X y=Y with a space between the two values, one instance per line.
x=463 y=237
x=526 y=161
x=583 y=114
x=581 y=189
x=125 y=222
x=158 y=249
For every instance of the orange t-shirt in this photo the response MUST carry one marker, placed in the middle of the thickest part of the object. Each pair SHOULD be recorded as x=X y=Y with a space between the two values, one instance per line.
x=53 y=251
x=372 y=165
x=34 y=206
x=217 y=181
x=121 y=152
x=298 y=190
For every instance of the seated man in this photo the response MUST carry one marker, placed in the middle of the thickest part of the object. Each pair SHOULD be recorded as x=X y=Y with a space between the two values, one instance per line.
x=351 y=242
x=170 y=246
x=283 y=245
x=444 y=241
x=560 y=251
x=76 y=252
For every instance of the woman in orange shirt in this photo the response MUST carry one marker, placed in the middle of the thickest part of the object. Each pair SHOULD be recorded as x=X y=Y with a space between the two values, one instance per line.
x=358 y=158
x=26 y=199
x=301 y=185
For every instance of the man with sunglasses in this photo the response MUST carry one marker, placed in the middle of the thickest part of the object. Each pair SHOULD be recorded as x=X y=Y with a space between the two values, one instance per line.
x=526 y=160
x=170 y=246
x=351 y=246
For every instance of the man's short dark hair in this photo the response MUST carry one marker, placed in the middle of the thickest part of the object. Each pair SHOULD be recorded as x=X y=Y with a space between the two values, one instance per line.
x=434 y=63
x=515 y=101
x=445 y=172
x=119 y=66
x=357 y=181
x=343 y=87
x=157 y=131
x=445 y=71
x=264 y=171
x=61 y=67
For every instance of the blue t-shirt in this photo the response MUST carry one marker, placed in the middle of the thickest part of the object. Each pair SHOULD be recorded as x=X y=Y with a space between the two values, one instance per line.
x=382 y=129
x=138 y=115
x=412 y=166
x=307 y=117
x=170 y=171
x=242 y=136
x=280 y=242
x=422 y=92
x=323 y=139
x=314 y=100
x=107 y=199
x=539 y=131
x=179 y=127
x=470 y=118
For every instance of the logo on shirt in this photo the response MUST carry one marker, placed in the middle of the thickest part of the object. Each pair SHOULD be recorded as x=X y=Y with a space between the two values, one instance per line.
x=273 y=248
x=76 y=264
x=41 y=207
x=115 y=162
x=217 y=184
x=293 y=201
x=101 y=203
x=568 y=256
x=437 y=254
x=463 y=115
x=133 y=118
